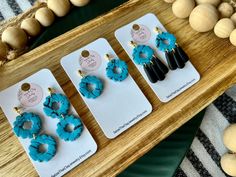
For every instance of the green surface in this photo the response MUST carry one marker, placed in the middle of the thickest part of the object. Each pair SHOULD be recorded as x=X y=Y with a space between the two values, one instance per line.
x=76 y=17
x=164 y=159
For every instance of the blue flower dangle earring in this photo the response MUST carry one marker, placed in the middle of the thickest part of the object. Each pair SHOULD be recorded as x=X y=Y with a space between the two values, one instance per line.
x=116 y=70
x=153 y=66
x=33 y=131
x=175 y=56
x=90 y=86
x=57 y=105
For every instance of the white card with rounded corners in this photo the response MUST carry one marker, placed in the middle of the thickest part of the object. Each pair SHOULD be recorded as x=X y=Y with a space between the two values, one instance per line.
x=176 y=81
x=69 y=154
x=121 y=104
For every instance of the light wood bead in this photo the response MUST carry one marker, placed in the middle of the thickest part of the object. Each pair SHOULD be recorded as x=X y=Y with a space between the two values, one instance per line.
x=203 y=17
x=229 y=138
x=233 y=37
x=79 y=3
x=228 y=164
x=3 y=51
x=224 y=27
x=169 y=1
x=233 y=18
x=31 y=26
x=212 y=2
x=226 y=10
x=15 y=37
x=183 y=8
x=59 y=7
x=45 y=16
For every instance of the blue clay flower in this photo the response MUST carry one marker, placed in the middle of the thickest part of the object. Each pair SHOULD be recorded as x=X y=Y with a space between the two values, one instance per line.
x=35 y=128
x=165 y=41
x=66 y=135
x=91 y=87
x=62 y=102
x=142 y=54
x=113 y=66
x=35 y=153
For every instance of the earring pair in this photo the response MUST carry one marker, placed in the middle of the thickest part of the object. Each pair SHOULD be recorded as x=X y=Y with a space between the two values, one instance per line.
x=92 y=87
x=33 y=132
x=55 y=106
x=154 y=68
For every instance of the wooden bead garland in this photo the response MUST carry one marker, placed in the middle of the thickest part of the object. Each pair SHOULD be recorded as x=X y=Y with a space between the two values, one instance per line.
x=45 y=16
x=212 y=2
x=79 y=3
x=59 y=7
x=31 y=26
x=226 y=10
x=224 y=27
x=16 y=37
x=204 y=17
x=183 y=8
x=228 y=164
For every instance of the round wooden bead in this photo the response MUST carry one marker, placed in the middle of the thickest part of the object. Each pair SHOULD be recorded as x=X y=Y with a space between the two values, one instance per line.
x=212 y=2
x=229 y=138
x=203 y=17
x=15 y=37
x=169 y=1
x=226 y=10
x=233 y=37
x=3 y=51
x=224 y=27
x=233 y=18
x=45 y=16
x=183 y=8
x=79 y=3
x=228 y=164
x=31 y=26
x=59 y=7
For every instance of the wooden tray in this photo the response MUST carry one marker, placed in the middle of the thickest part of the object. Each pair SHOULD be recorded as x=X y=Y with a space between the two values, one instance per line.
x=214 y=58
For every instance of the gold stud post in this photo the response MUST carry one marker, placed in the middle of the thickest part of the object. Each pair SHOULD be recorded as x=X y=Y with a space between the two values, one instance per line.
x=17 y=110
x=133 y=44
x=50 y=90
x=108 y=57
x=81 y=73
x=157 y=30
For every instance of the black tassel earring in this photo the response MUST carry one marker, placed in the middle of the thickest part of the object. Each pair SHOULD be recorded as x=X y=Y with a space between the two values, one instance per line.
x=175 y=55
x=153 y=66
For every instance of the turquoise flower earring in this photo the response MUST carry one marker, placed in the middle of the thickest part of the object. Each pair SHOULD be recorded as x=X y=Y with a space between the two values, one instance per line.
x=175 y=55
x=57 y=105
x=34 y=132
x=153 y=66
x=116 y=70
x=90 y=86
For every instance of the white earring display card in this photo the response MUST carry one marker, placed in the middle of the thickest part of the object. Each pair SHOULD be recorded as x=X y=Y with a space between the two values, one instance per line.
x=121 y=104
x=141 y=31
x=29 y=95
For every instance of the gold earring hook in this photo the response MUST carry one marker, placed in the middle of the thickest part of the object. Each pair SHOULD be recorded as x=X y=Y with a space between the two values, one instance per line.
x=133 y=44
x=81 y=73
x=17 y=110
x=50 y=90
x=157 y=30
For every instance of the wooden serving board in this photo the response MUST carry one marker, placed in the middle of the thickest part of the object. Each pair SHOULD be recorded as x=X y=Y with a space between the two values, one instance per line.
x=214 y=58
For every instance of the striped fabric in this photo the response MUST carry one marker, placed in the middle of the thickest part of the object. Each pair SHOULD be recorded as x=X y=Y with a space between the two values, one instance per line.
x=203 y=158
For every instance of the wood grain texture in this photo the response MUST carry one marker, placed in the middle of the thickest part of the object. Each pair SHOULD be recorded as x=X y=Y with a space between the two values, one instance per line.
x=214 y=58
